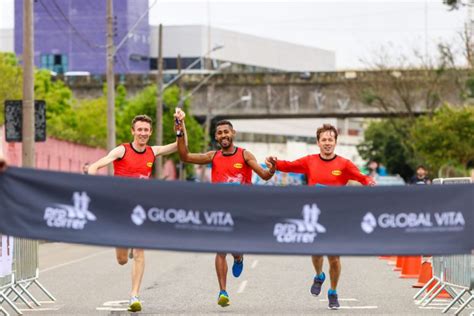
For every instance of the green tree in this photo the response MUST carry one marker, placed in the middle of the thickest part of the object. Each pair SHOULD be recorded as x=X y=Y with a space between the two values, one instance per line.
x=446 y=138
x=384 y=142
x=60 y=115
x=11 y=83
x=145 y=103
x=92 y=122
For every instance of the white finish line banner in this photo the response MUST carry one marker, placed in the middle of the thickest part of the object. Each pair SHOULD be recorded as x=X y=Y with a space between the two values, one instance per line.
x=186 y=216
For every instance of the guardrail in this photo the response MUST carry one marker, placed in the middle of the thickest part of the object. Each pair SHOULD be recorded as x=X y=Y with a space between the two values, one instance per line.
x=453 y=274
x=15 y=287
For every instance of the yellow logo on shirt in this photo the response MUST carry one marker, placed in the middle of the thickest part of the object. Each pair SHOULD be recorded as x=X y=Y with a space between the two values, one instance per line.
x=149 y=164
x=336 y=172
x=238 y=165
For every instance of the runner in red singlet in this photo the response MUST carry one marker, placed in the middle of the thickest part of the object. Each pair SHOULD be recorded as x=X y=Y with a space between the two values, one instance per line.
x=135 y=160
x=325 y=169
x=230 y=164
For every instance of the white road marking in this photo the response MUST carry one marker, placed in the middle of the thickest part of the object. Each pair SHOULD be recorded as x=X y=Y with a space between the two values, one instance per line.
x=115 y=303
x=74 y=261
x=437 y=304
x=254 y=264
x=242 y=286
x=114 y=306
x=41 y=309
x=113 y=309
x=341 y=299
x=435 y=307
x=358 y=307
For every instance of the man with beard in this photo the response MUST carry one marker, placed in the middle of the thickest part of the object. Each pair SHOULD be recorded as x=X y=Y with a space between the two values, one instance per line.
x=135 y=160
x=325 y=169
x=230 y=164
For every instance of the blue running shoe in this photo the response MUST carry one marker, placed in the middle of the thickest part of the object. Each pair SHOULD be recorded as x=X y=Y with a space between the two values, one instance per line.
x=333 y=301
x=317 y=284
x=223 y=299
x=237 y=267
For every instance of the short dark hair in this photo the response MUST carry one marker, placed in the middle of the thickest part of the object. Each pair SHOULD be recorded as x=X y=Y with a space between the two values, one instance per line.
x=224 y=122
x=326 y=128
x=420 y=167
x=142 y=118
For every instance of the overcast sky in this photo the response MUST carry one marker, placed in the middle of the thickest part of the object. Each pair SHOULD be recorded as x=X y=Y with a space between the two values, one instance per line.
x=353 y=29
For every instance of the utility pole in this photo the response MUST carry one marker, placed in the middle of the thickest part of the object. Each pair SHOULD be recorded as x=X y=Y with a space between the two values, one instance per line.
x=470 y=32
x=181 y=169
x=159 y=102
x=208 y=59
x=207 y=127
x=28 y=129
x=110 y=82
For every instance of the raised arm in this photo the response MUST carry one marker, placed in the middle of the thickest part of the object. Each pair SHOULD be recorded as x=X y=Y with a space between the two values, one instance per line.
x=265 y=174
x=113 y=155
x=184 y=154
x=173 y=147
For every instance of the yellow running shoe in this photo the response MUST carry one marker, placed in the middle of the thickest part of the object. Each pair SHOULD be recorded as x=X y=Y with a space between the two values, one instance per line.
x=223 y=299
x=135 y=304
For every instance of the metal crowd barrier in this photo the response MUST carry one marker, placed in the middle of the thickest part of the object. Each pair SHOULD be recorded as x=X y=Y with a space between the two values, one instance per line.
x=17 y=287
x=454 y=274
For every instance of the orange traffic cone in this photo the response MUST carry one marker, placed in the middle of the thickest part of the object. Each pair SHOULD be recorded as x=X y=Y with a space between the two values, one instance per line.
x=442 y=294
x=399 y=264
x=411 y=267
x=426 y=274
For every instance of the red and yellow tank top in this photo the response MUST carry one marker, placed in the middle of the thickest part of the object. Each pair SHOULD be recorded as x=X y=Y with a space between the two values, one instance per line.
x=135 y=164
x=231 y=168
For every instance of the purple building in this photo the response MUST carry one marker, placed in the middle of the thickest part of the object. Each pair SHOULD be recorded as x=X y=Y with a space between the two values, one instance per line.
x=70 y=35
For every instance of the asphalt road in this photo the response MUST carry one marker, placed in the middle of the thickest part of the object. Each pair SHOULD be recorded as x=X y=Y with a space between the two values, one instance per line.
x=87 y=281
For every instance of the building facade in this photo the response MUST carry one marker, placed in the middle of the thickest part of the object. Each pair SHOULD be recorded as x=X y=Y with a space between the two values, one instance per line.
x=247 y=53
x=70 y=35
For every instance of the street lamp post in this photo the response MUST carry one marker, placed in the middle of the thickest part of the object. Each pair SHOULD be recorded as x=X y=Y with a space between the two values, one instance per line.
x=194 y=63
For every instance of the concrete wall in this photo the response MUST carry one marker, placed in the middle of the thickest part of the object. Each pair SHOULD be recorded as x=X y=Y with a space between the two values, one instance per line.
x=54 y=154
x=278 y=95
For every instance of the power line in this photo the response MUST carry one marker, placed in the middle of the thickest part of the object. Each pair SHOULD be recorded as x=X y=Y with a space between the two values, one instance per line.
x=74 y=29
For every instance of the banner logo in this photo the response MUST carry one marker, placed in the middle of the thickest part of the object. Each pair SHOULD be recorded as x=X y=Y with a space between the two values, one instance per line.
x=414 y=222
x=300 y=230
x=138 y=215
x=369 y=222
x=73 y=216
x=184 y=219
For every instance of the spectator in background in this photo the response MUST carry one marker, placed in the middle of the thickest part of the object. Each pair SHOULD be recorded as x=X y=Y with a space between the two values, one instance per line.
x=373 y=168
x=421 y=176
x=85 y=168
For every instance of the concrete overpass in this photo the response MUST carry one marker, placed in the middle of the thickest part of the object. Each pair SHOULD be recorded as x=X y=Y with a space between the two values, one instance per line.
x=299 y=95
